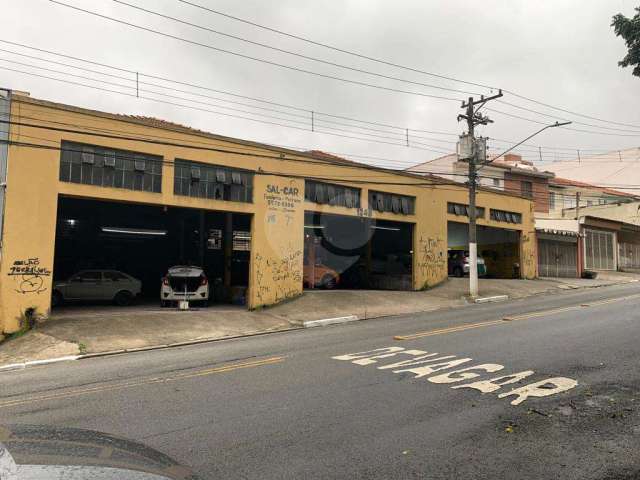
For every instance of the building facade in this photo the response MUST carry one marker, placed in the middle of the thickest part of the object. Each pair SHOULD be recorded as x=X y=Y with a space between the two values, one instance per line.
x=92 y=190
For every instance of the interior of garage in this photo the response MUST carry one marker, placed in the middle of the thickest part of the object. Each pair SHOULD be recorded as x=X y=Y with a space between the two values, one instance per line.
x=498 y=247
x=357 y=253
x=145 y=240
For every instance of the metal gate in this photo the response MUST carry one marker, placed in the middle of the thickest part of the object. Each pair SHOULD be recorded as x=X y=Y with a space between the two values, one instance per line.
x=599 y=250
x=629 y=255
x=557 y=258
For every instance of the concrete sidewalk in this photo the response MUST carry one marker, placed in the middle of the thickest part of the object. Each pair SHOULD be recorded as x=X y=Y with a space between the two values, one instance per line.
x=77 y=330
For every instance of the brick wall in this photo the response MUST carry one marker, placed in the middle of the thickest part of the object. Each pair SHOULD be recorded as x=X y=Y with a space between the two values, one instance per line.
x=540 y=189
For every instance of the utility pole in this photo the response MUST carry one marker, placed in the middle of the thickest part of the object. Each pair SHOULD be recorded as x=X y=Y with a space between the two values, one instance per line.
x=473 y=118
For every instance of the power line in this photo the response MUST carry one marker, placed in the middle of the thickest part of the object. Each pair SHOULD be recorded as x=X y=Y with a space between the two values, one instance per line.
x=288 y=52
x=384 y=62
x=217 y=112
x=307 y=110
x=396 y=65
x=564 y=128
x=249 y=57
x=555 y=117
x=279 y=104
x=569 y=111
x=253 y=154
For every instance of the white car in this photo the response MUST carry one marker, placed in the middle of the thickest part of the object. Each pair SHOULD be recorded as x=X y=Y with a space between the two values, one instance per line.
x=184 y=282
x=96 y=285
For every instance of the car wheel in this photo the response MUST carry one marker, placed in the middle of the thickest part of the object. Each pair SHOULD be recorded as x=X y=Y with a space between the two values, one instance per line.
x=56 y=299
x=458 y=272
x=123 y=298
x=329 y=282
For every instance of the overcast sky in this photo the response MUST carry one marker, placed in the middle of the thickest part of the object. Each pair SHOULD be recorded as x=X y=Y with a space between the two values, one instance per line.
x=563 y=53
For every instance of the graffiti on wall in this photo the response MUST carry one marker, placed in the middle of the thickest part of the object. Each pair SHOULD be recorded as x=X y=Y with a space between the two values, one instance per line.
x=528 y=254
x=431 y=257
x=279 y=278
x=278 y=275
x=29 y=275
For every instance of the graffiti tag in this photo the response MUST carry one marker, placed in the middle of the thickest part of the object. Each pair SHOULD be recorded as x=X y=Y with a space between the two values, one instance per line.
x=29 y=274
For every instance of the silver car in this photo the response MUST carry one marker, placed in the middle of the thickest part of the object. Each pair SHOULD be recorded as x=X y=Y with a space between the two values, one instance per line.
x=97 y=285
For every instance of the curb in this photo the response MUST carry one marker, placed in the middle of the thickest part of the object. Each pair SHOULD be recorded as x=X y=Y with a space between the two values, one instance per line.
x=21 y=365
x=495 y=298
x=329 y=321
x=304 y=324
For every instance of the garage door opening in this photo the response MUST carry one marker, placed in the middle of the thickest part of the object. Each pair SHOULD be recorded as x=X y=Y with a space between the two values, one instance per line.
x=101 y=238
x=357 y=253
x=498 y=248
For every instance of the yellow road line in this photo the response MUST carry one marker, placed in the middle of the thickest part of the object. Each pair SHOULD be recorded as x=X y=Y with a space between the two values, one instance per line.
x=149 y=381
x=540 y=313
x=466 y=326
x=610 y=300
x=511 y=318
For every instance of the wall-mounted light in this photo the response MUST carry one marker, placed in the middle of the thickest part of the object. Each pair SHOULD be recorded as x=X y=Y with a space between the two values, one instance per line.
x=314 y=226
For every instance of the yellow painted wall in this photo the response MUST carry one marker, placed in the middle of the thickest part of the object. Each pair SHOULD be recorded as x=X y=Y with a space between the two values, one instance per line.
x=277 y=240
x=277 y=246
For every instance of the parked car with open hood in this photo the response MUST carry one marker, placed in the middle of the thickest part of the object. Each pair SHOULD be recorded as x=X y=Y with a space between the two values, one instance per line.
x=183 y=282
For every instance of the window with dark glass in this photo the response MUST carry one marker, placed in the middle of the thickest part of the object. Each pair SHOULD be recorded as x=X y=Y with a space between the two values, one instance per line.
x=463 y=210
x=109 y=167
x=201 y=180
x=526 y=189
x=332 y=194
x=391 y=202
x=504 y=216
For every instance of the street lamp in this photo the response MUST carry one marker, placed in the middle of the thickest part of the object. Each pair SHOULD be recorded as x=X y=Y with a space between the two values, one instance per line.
x=473 y=260
x=553 y=125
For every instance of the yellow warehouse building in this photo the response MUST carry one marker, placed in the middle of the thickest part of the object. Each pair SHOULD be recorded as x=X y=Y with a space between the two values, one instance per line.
x=82 y=189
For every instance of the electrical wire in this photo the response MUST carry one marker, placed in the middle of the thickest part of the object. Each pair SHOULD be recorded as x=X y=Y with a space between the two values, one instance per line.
x=396 y=65
x=213 y=111
x=288 y=52
x=385 y=62
x=256 y=59
x=253 y=154
x=401 y=130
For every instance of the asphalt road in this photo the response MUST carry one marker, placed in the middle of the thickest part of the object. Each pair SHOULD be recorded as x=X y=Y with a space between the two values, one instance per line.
x=280 y=406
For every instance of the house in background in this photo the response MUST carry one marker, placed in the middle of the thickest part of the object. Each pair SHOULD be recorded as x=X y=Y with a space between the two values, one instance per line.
x=598 y=225
x=619 y=168
x=509 y=173
x=602 y=234
x=564 y=195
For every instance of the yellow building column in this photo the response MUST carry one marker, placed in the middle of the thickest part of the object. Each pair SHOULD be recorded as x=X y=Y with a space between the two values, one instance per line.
x=429 y=242
x=26 y=262
x=277 y=243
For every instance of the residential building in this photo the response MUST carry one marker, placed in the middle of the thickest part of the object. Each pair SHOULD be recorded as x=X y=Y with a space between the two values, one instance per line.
x=87 y=190
x=564 y=194
x=618 y=168
x=509 y=173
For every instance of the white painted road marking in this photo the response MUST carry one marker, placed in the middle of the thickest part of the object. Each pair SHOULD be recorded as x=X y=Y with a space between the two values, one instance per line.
x=423 y=364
